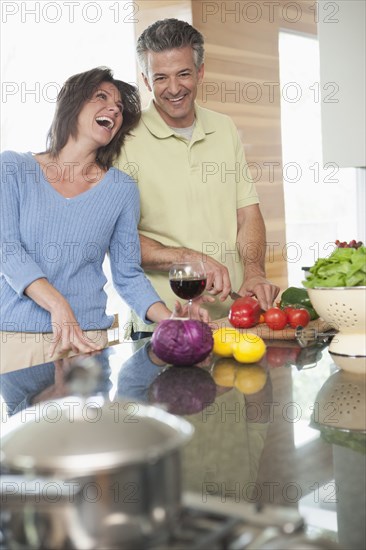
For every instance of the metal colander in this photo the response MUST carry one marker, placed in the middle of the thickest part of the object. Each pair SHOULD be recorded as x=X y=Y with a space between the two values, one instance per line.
x=341 y=314
x=340 y=402
x=344 y=309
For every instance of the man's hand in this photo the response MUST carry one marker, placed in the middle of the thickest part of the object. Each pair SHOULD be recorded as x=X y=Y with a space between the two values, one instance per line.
x=218 y=278
x=264 y=291
x=156 y=256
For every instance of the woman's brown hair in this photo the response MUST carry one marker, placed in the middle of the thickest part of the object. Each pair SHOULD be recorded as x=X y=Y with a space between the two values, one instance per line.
x=75 y=92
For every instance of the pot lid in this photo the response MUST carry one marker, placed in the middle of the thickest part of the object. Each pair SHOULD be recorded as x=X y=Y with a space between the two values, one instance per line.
x=74 y=436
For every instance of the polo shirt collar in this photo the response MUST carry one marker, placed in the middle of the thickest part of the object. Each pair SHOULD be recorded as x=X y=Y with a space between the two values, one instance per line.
x=156 y=125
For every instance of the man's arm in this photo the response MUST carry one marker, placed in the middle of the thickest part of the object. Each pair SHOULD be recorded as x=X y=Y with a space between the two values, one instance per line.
x=157 y=257
x=251 y=240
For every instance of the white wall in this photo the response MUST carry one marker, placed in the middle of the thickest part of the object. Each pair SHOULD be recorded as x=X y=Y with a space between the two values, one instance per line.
x=342 y=70
x=42 y=44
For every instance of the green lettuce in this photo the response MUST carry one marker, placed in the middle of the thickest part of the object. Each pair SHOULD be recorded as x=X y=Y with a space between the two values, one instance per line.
x=344 y=267
x=353 y=440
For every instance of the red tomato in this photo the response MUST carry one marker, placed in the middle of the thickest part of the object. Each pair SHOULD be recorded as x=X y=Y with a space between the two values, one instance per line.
x=244 y=312
x=298 y=317
x=275 y=318
x=288 y=309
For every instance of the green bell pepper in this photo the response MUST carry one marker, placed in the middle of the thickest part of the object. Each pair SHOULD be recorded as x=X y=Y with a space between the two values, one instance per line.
x=298 y=298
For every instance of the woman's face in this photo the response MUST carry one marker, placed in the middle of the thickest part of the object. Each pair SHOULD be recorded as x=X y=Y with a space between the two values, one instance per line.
x=101 y=116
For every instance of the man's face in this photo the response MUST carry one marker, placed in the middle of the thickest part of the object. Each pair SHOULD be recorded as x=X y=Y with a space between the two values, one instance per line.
x=173 y=79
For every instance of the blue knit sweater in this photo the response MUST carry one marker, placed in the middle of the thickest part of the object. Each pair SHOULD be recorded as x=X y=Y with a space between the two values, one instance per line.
x=43 y=234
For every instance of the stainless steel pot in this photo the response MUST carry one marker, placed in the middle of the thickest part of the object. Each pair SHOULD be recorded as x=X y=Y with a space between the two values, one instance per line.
x=85 y=474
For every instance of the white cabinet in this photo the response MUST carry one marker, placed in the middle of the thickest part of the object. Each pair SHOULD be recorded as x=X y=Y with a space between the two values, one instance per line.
x=342 y=75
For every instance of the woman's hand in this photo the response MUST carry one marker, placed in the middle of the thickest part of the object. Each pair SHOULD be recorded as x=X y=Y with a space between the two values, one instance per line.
x=158 y=311
x=67 y=333
x=58 y=388
x=195 y=311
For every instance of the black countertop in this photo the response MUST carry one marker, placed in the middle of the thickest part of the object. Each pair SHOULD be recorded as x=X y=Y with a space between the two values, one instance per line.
x=297 y=441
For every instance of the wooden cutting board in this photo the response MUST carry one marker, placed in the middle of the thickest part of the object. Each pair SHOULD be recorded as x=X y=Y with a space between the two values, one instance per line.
x=266 y=333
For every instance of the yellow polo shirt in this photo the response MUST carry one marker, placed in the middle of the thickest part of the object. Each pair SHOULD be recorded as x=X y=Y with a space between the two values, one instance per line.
x=190 y=191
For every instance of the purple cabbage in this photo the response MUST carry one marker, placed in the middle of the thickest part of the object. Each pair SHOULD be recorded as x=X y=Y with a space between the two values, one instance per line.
x=182 y=342
x=183 y=390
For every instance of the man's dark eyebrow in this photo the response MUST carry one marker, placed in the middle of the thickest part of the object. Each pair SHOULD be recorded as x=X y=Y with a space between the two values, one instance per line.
x=187 y=69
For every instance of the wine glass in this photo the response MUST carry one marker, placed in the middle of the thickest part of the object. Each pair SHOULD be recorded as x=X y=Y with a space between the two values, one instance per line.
x=188 y=280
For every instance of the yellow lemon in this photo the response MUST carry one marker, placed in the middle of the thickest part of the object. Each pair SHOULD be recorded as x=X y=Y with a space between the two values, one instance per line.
x=250 y=379
x=224 y=338
x=249 y=349
x=224 y=372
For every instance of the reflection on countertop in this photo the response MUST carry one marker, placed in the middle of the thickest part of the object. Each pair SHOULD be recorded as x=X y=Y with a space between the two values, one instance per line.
x=261 y=447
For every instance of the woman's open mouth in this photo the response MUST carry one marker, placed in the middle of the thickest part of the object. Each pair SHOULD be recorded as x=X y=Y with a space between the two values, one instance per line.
x=105 y=121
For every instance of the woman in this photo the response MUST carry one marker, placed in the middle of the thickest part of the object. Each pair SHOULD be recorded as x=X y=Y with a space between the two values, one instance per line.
x=61 y=212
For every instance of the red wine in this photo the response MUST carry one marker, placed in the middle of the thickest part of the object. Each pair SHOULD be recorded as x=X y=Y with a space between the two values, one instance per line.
x=188 y=288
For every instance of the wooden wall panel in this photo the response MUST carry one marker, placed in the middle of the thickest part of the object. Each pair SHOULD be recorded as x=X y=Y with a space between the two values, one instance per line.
x=242 y=81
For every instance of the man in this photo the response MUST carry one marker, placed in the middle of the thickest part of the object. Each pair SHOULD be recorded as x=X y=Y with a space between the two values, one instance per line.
x=197 y=198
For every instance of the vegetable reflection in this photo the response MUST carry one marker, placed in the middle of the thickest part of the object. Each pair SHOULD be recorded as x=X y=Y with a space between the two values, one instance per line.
x=183 y=390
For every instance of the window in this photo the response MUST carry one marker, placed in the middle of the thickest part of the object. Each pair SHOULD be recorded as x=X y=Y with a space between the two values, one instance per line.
x=320 y=200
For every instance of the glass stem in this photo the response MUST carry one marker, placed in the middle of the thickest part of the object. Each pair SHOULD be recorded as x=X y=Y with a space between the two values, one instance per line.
x=189 y=309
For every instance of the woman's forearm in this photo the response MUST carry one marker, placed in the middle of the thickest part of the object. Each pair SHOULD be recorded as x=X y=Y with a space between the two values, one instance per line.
x=44 y=294
x=157 y=312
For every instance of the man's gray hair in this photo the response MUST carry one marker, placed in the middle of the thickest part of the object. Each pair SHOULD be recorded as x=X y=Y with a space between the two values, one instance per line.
x=169 y=34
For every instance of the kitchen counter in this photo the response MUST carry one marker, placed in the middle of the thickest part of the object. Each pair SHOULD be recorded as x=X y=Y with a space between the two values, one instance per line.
x=268 y=448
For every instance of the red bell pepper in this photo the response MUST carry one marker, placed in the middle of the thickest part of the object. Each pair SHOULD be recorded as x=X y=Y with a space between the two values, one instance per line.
x=244 y=312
